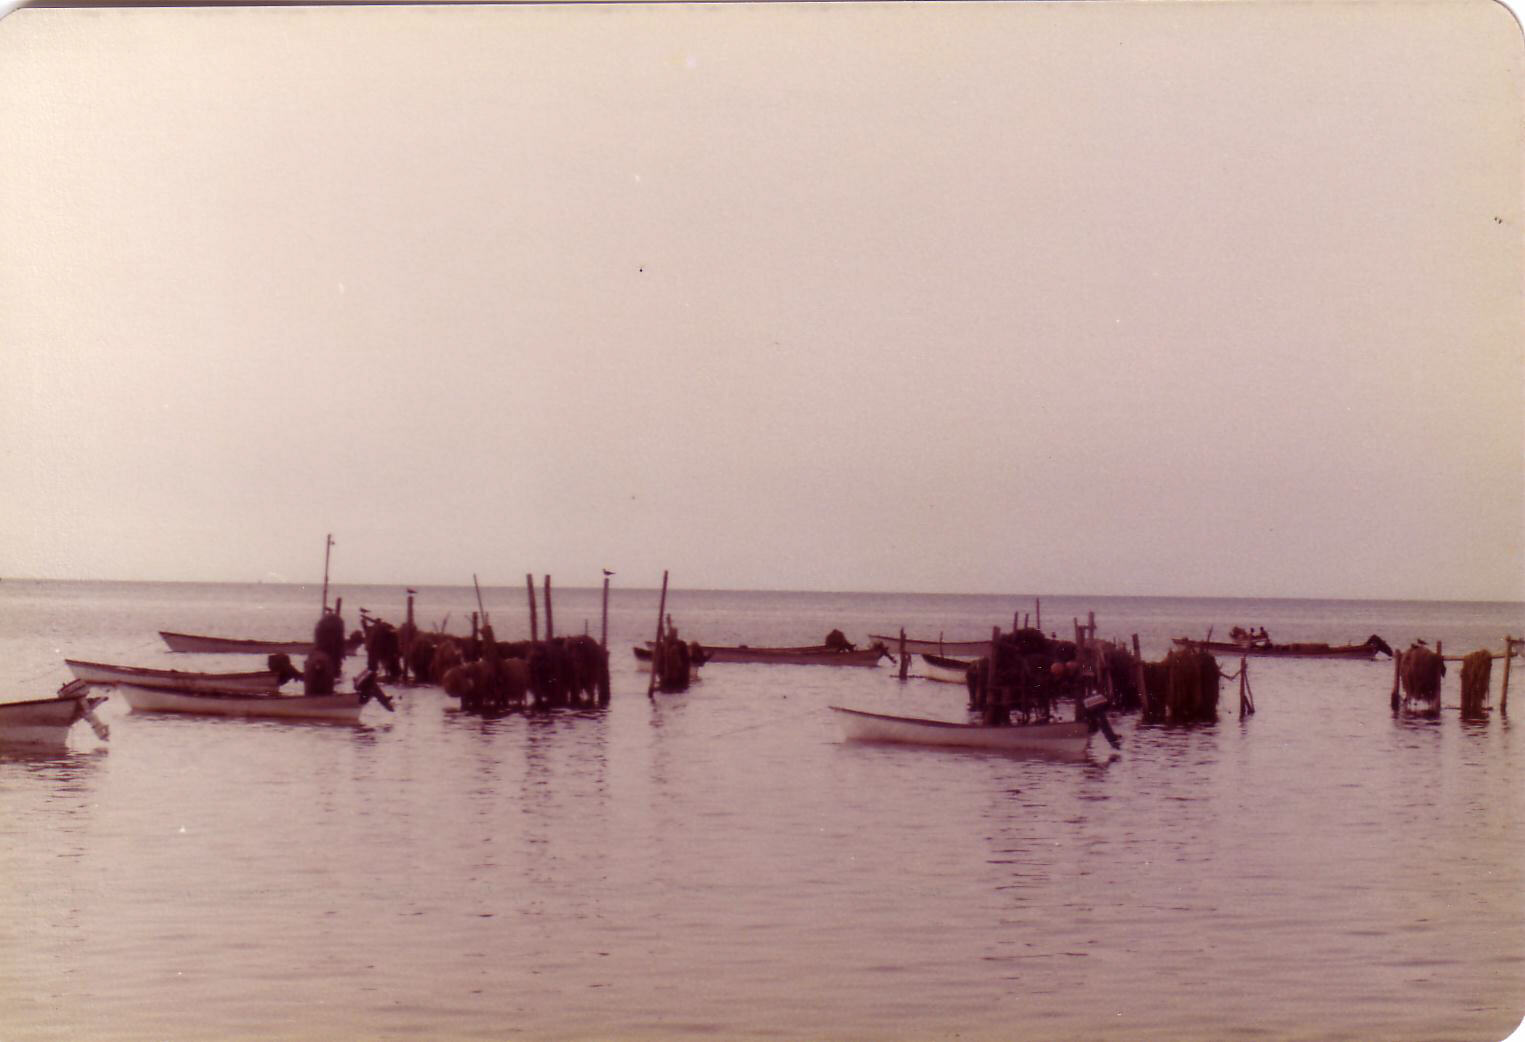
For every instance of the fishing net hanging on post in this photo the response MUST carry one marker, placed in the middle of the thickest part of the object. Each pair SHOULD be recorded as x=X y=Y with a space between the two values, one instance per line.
x=1476 y=671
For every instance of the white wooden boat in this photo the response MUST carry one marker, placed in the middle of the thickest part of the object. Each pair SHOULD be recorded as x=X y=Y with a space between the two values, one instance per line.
x=47 y=721
x=922 y=646
x=341 y=706
x=103 y=674
x=816 y=655
x=945 y=670
x=190 y=642
x=1068 y=738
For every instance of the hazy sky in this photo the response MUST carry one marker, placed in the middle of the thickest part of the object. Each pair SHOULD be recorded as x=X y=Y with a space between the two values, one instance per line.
x=1219 y=299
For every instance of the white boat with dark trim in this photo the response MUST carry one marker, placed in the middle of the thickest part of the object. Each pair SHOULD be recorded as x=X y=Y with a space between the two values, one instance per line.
x=945 y=670
x=1066 y=738
x=104 y=674
x=195 y=643
x=816 y=655
x=47 y=721
x=341 y=706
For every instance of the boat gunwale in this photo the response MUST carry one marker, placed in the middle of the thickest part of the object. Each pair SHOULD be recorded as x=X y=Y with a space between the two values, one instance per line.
x=921 y=721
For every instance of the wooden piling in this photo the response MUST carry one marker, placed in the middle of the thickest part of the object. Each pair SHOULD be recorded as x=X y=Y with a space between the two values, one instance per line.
x=328 y=545
x=1038 y=612
x=1138 y=677
x=656 y=646
x=603 y=632
x=1397 y=679
x=549 y=628
x=487 y=619
x=529 y=583
x=905 y=661
x=1246 y=698
x=1509 y=646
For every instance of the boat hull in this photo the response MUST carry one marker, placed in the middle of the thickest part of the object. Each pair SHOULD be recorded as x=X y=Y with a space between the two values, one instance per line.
x=794 y=656
x=339 y=707
x=1068 y=738
x=944 y=670
x=644 y=655
x=1223 y=647
x=192 y=643
x=969 y=648
x=104 y=674
x=43 y=721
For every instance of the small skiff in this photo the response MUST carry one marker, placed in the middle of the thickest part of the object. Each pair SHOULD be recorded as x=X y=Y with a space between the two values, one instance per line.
x=46 y=721
x=1068 y=738
x=341 y=706
x=944 y=670
x=918 y=646
x=818 y=655
x=644 y=655
x=105 y=675
x=189 y=642
x=1369 y=650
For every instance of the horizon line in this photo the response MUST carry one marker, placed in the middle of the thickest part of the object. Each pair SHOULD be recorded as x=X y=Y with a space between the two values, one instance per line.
x=833 y=592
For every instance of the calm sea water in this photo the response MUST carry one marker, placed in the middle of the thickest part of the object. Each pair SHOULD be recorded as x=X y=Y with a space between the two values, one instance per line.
x=718 y=864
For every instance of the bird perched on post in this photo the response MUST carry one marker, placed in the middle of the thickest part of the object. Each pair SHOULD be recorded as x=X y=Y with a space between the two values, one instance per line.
x=607 y=572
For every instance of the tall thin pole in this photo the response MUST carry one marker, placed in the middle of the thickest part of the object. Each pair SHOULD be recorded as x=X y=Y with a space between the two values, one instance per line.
x=328 y=545
x=1509 y=643
x=548 y=618
x=656 y=648
x=485 y=619
x=603 y=633
x=529 y=582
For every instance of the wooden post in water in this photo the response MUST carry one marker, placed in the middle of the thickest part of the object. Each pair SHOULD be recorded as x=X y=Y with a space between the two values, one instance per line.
x=529 y=582
x=1138 y=673
x=1397 y=678
x=328 y=545
x=603 y=633
x=1244 y=684
x=478 y=586
x=549 y=628
x=1509 y=643
x=905 y=663
x=656 y=647
x=1038 y=612
x=996 y=709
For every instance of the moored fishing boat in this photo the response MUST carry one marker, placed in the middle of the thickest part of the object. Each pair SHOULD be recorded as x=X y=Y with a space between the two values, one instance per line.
x=47 y=721
x=104 y=674
x=341 y=706
x=945 y=670
x=1065 y=738
x=922 y=646
x=643 y=654
x=1372 y=646
x=818 y=655
x=196 y=644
